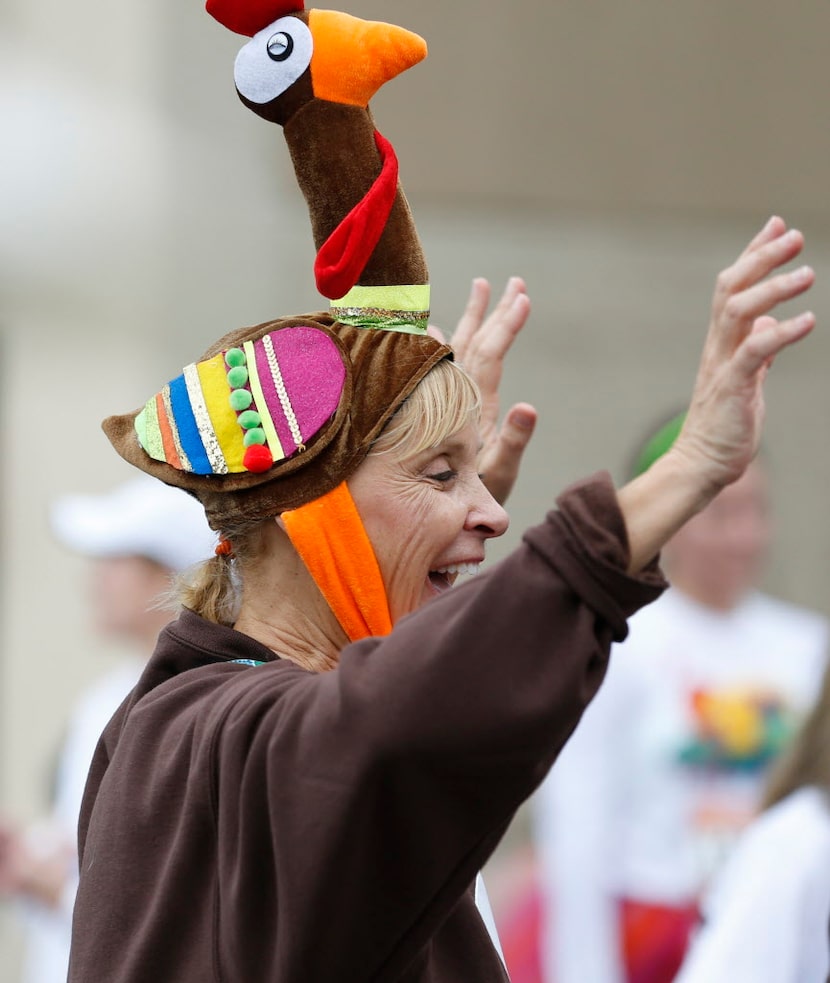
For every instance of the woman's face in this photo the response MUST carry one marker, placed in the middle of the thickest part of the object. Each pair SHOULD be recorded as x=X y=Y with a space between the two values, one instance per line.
x=427 y=516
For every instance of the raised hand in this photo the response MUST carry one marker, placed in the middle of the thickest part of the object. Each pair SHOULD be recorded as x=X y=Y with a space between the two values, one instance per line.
x=722 y=429
x=481 y=343
x=723 y=425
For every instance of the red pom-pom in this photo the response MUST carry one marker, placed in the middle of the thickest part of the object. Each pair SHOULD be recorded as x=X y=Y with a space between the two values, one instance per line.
x=257 y=458
x=249 y=16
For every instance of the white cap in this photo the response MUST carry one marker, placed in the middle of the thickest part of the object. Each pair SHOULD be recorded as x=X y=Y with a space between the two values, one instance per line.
x=143 y=517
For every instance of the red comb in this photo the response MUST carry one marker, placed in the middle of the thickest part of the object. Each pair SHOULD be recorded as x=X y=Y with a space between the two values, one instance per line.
x=249 y=16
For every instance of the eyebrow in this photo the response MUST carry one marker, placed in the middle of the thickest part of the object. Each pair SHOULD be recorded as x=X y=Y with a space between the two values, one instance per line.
x=449 y=446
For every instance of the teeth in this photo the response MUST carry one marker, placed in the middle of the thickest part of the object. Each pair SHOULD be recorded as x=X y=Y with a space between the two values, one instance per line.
x=468 y=568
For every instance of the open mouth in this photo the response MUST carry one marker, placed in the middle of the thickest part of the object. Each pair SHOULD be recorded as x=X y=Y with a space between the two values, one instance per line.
x=444 y=577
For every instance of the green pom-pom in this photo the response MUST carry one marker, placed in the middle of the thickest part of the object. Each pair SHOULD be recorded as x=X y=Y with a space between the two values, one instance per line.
x=249 y=419
x=234 y=357
x=254 y=436
x=241 y=399
x=237 y=377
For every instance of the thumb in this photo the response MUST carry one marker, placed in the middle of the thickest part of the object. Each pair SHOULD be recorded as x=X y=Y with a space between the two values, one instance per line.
x=506 y=457
x=518 y=426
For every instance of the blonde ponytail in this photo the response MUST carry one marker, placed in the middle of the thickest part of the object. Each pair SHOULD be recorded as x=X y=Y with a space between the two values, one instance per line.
x=210 y=591
x=213 y=588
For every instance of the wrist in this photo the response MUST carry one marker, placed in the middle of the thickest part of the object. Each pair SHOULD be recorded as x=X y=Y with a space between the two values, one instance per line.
x=694 y=480
x=661 y=500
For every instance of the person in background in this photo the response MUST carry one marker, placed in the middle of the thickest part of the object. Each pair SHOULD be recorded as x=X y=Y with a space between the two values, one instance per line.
x=669 y=762
x=766 y=915
x=137 y=538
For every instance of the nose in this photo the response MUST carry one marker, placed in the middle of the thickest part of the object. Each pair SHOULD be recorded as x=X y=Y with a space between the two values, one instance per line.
x=486 y=516
x=353 y=58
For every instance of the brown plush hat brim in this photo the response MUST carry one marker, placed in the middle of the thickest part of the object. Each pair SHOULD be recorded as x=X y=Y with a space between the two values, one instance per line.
x=382 y=369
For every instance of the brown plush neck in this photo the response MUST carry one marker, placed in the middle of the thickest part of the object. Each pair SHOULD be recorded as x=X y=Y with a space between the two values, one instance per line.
x=336 y=161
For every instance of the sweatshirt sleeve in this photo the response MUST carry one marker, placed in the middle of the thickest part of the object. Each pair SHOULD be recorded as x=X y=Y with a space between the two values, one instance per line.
x=382 y=787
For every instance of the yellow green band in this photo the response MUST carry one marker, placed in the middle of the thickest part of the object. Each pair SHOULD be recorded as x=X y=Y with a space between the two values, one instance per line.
x=388 y=308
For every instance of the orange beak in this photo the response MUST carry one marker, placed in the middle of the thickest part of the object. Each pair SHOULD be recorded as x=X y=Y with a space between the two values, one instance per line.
x=352 y=58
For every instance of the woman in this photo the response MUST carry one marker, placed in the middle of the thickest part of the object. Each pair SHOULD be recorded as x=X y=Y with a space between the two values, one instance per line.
x=277 y=802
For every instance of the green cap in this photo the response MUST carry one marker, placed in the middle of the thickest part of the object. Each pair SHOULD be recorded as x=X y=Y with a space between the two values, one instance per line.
x=657 y=444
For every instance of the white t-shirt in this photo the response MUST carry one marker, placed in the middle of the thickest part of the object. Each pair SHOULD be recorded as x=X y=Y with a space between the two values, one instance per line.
x=667 y=766
x=766 y=917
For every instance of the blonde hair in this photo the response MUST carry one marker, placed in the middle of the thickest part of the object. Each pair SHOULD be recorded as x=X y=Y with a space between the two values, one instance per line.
x=807 y=760
x=213 y=588
x=442 y=403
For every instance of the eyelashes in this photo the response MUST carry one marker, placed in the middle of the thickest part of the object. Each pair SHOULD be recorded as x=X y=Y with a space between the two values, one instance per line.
x=443 y=477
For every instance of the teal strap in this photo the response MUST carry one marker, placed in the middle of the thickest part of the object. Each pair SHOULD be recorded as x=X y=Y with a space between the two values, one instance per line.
x=247 y=662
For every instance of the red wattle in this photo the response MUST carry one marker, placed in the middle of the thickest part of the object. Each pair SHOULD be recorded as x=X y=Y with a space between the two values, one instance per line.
x=344 y=255
x=249 y=16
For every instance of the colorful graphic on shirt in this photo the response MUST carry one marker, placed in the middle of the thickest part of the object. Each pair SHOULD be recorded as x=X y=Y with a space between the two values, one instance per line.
x=733 y=737
x=737 y=730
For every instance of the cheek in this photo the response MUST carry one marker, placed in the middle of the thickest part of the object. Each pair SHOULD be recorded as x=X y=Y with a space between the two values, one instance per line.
x=386 y=521
x=407 y=537
x=401 y=526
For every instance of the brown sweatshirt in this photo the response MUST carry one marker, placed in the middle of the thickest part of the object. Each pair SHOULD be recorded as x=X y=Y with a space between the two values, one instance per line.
x=270 y=825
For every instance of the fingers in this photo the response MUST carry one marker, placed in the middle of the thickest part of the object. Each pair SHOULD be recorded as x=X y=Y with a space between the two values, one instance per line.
x=767 y=338
x=509 y=316
x=745 y=290
x=513 y=300
x=473 y=316
x=726 y=413
x=494 y=334
x=503 y=457
x=514 y=288
x=488 y=340
x=481 y=343
x=754 y=264
x=761 y=323
x=757 y=300
x=775 y=227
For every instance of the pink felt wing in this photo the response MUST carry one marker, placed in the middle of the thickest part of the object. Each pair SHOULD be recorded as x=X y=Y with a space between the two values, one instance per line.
x=301 y=375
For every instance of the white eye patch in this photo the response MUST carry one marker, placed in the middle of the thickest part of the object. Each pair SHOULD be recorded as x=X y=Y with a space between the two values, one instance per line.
x=273 y=60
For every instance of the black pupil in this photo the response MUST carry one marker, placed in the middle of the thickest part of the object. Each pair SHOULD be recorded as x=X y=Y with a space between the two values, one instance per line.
x=280 y=46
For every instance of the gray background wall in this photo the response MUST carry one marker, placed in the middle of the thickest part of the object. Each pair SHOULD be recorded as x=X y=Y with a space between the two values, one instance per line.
x=615 y=155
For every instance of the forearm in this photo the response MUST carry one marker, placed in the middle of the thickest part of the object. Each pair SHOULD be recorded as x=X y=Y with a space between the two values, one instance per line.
x=658 y=502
